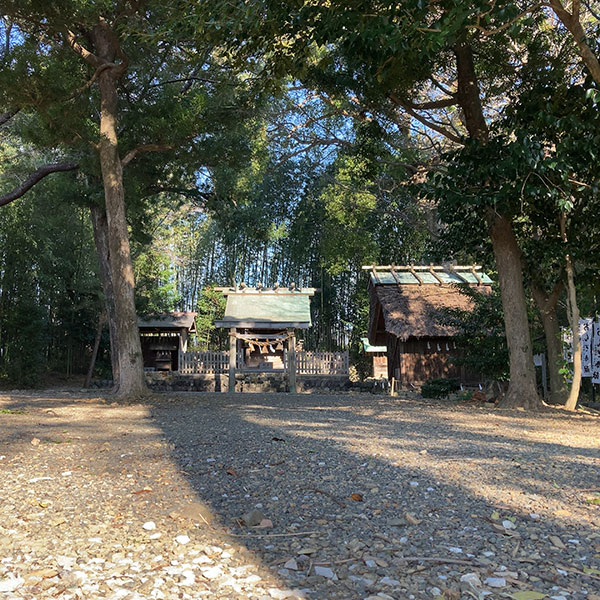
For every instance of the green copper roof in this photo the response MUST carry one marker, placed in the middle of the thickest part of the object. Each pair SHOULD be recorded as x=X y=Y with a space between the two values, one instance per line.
x=368 y=348
x=403 y=277
x=267 y=309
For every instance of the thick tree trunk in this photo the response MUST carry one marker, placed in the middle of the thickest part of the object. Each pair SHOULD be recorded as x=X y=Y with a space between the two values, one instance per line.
x=100 y=227
x=522 y=389
x=131 y=366
x=547 y=308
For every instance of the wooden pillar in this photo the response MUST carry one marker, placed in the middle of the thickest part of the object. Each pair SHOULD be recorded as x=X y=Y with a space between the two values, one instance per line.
x=232 y=359
x=292 y=360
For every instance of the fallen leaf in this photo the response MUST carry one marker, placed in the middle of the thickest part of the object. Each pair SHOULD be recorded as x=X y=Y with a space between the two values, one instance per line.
x=42 y=574
x=277 y=439
x=265 y=524
x=143 y=491
x=411 y=519
x=557 y=542
x=591 y=571
x=231 y=471
x=495 y=516
x=357 y=497
x=528 y=595
x=35 y=442
x=291 y=564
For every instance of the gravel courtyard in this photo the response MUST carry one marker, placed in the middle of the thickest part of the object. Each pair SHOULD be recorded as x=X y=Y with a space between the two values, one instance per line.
x=279 y=496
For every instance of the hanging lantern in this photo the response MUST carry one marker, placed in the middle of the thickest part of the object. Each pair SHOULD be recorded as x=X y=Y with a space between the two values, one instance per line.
x=279 y=346
x=438 y=347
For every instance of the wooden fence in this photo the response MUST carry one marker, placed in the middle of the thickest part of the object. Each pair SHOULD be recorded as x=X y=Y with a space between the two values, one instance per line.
x=207 y=363
x=322 y=363
x=307 y=363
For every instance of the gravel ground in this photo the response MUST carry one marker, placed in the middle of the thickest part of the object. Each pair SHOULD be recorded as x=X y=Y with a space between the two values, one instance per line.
x=279 y=496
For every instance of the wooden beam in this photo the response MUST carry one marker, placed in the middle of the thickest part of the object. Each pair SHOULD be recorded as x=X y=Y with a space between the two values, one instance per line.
x=414 y=274
x=432 y=271
x=453 y=270
x=395 y=275
x=476 y=275
x=292 y=360
x=232 y=359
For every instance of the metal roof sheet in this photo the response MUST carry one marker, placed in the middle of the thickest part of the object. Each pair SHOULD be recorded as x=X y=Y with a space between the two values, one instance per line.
x=267 y=308
x=177 y=320
x=383 y=276
x=367 y=347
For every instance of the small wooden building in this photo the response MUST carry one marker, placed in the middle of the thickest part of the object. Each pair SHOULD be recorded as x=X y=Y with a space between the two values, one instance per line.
x=262 y=323
x=163 y=336
x=403 y=306
x=378 y=355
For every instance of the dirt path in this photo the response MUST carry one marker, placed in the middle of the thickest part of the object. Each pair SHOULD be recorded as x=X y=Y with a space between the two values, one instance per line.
x=359 y=497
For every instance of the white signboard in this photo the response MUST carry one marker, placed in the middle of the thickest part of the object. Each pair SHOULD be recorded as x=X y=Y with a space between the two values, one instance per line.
x=596 y=353
x=585 y=336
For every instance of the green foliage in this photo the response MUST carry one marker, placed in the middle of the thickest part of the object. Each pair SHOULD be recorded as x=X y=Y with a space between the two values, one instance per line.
x=211 y=306
x=480 y=338
x=49 y=293
x=439 y=388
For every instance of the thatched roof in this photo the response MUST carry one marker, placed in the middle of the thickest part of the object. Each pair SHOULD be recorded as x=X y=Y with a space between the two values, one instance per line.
x=411 y=311
x=407 y=305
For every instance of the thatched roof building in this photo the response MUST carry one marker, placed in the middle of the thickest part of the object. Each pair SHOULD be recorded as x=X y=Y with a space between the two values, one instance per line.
x=404 y=304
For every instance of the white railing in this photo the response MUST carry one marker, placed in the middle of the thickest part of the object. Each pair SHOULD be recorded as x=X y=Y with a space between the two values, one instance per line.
x=322 y=363
x=204 y=363
x=307 y=363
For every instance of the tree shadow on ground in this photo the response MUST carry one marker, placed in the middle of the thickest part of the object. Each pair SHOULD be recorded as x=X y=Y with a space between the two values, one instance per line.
x=299 y=458
x=430 y=482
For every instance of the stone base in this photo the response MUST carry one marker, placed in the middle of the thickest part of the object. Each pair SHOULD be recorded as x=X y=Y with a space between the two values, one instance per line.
x=257 y=383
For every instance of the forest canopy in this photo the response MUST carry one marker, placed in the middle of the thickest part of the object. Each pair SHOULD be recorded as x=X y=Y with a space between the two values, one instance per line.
x=150 y=151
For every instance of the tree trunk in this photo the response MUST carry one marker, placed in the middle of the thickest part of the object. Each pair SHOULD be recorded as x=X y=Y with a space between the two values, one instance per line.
x=571 y=402
x=572 y=21
x=88 y=377
x=131 y=366
x=547 y=308
x=100 y=227
x=522 y=389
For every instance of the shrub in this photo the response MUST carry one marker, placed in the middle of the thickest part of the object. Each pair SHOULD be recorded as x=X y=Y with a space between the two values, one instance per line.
x=440 y=388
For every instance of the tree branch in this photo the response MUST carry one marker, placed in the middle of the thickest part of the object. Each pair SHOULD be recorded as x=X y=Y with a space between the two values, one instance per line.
x=444 y=103
x=488 y=32
x=88 y=56
x=441 y=130
x=95 y=76
x=8 y=115
x=35 y=178
x=144 y=148
x=573 y=24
